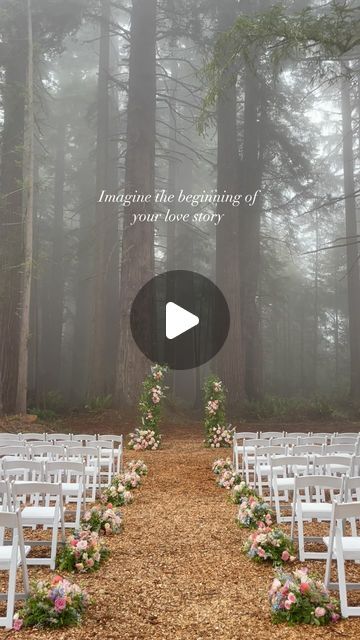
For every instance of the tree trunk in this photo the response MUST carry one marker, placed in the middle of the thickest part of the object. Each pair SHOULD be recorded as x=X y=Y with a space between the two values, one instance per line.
x=11 y=214
x=250 y=237
x=230 y=360
x=24 y=333
x=53 y=320
x=137 y=261
x=352 y=253
x=97 y=371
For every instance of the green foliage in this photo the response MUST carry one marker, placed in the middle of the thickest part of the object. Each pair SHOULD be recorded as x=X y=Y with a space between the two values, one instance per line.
x=51 y=405
x=287 y=408
x=99 y=403
x=273 y=38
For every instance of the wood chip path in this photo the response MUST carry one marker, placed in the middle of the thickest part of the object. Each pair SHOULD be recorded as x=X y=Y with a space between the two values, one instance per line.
x=177 y=572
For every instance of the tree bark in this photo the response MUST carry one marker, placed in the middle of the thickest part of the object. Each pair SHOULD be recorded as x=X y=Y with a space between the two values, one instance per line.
x=53 y=320
x=230 y=360
x=11 y=214
x=352 y=253
x=137 y=261
x=27 y=225
x=97 y=370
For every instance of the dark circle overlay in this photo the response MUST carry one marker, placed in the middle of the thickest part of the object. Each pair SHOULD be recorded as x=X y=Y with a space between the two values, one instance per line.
x=196 y=294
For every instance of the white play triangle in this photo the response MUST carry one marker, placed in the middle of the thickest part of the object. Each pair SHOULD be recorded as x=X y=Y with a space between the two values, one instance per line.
x=178 y=320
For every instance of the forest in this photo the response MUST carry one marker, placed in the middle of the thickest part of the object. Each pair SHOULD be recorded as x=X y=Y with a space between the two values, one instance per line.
x=196 y=97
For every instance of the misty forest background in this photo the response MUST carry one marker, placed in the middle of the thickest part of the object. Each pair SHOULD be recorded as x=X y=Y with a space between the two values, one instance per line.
x=118 y=95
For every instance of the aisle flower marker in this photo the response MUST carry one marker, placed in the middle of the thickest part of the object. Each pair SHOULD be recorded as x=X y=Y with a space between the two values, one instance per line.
x=301 y=598
x=254 y=512
x=228 y=479
x=148 y=436
x=83 y=552
x=220 y=465
x=137 y=466
x=53 y=605
x=102 y=519
x=116 y=493
x=241 y=492
x=218 y=434
x=268 y=544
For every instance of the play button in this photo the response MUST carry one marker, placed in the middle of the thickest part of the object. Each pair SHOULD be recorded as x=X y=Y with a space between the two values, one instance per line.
x=180 y=318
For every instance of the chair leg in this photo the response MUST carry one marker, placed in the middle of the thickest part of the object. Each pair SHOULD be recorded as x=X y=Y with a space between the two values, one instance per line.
x=301 y=537
x=342 y=581
x=11 y=596
x=54 y=545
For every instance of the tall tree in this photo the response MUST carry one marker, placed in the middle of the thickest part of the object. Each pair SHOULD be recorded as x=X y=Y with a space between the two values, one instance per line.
x=230 y=360
x=137 y=260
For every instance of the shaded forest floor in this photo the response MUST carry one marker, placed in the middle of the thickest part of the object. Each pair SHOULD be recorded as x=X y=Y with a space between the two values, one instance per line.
x=177 y=571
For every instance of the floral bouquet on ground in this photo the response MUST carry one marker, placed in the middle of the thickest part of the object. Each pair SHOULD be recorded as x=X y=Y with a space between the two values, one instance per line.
x=116 y=493
x=148 y=436
x=267 y=544
x=253 y=512
x=217 y=433
x=54 y=604
x=102 y=519
x=130 y=480
x=221 y=464
x=83 y=552
x=137 y=466
x=241 y=492
x=228 y=479
x=300 y=598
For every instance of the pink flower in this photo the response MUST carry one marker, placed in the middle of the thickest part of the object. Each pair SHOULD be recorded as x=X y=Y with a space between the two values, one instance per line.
x=261 y=552
x=285 y=556
x=304 y=587
x=60 y=604
x=17 y=624
x=291 y=597
x=287 y=604
x=319 y=612
x=335 y=617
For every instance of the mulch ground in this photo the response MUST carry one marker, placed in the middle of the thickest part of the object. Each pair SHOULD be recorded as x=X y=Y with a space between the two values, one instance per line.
x=177 y=571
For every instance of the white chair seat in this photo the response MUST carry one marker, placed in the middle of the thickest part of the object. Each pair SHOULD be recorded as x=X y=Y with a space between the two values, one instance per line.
x=350 y=544
x=5 y=556
x=315 y=509
x=38 y=515
x=70 y=488
x=285 y=483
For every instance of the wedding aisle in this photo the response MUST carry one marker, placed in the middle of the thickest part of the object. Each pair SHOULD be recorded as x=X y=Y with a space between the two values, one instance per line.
x=177 y=571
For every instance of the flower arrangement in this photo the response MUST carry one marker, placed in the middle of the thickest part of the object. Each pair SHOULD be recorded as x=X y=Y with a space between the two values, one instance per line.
x=83 y=552
x=217 y=433
x=54 y=604
x=153 y=392
x=253 y=512
x=137 y=466
x=220 y=465
x=241 y=492
x=268 y=544
x=130 y=480
x=102 y=519
x=228 y=479
x=300 y=598
x=116 y=493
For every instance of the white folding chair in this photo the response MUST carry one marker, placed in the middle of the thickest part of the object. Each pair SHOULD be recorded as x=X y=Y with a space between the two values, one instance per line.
x=23 y=470
x=90 y=457
x=83 y=438
x=15 y=451
x=105 y=460
x=71 y=476
x=12 y=557
x=343 y=548
x=33 y=437
x=299 y=434
x=352 y=494
x=332 y=465
x=320 y=439
x=118 y=449
x=263 y=457
x=57 y=438
x=305 y=507
x=239 y=439
x=9 y=436
x=5 y=504
x=267 y=435
x=248 y=458
x=283 y=471
x=290 y=441
x=48 y=452
x=45 y=508
x=337 y=448
x=349 y=439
